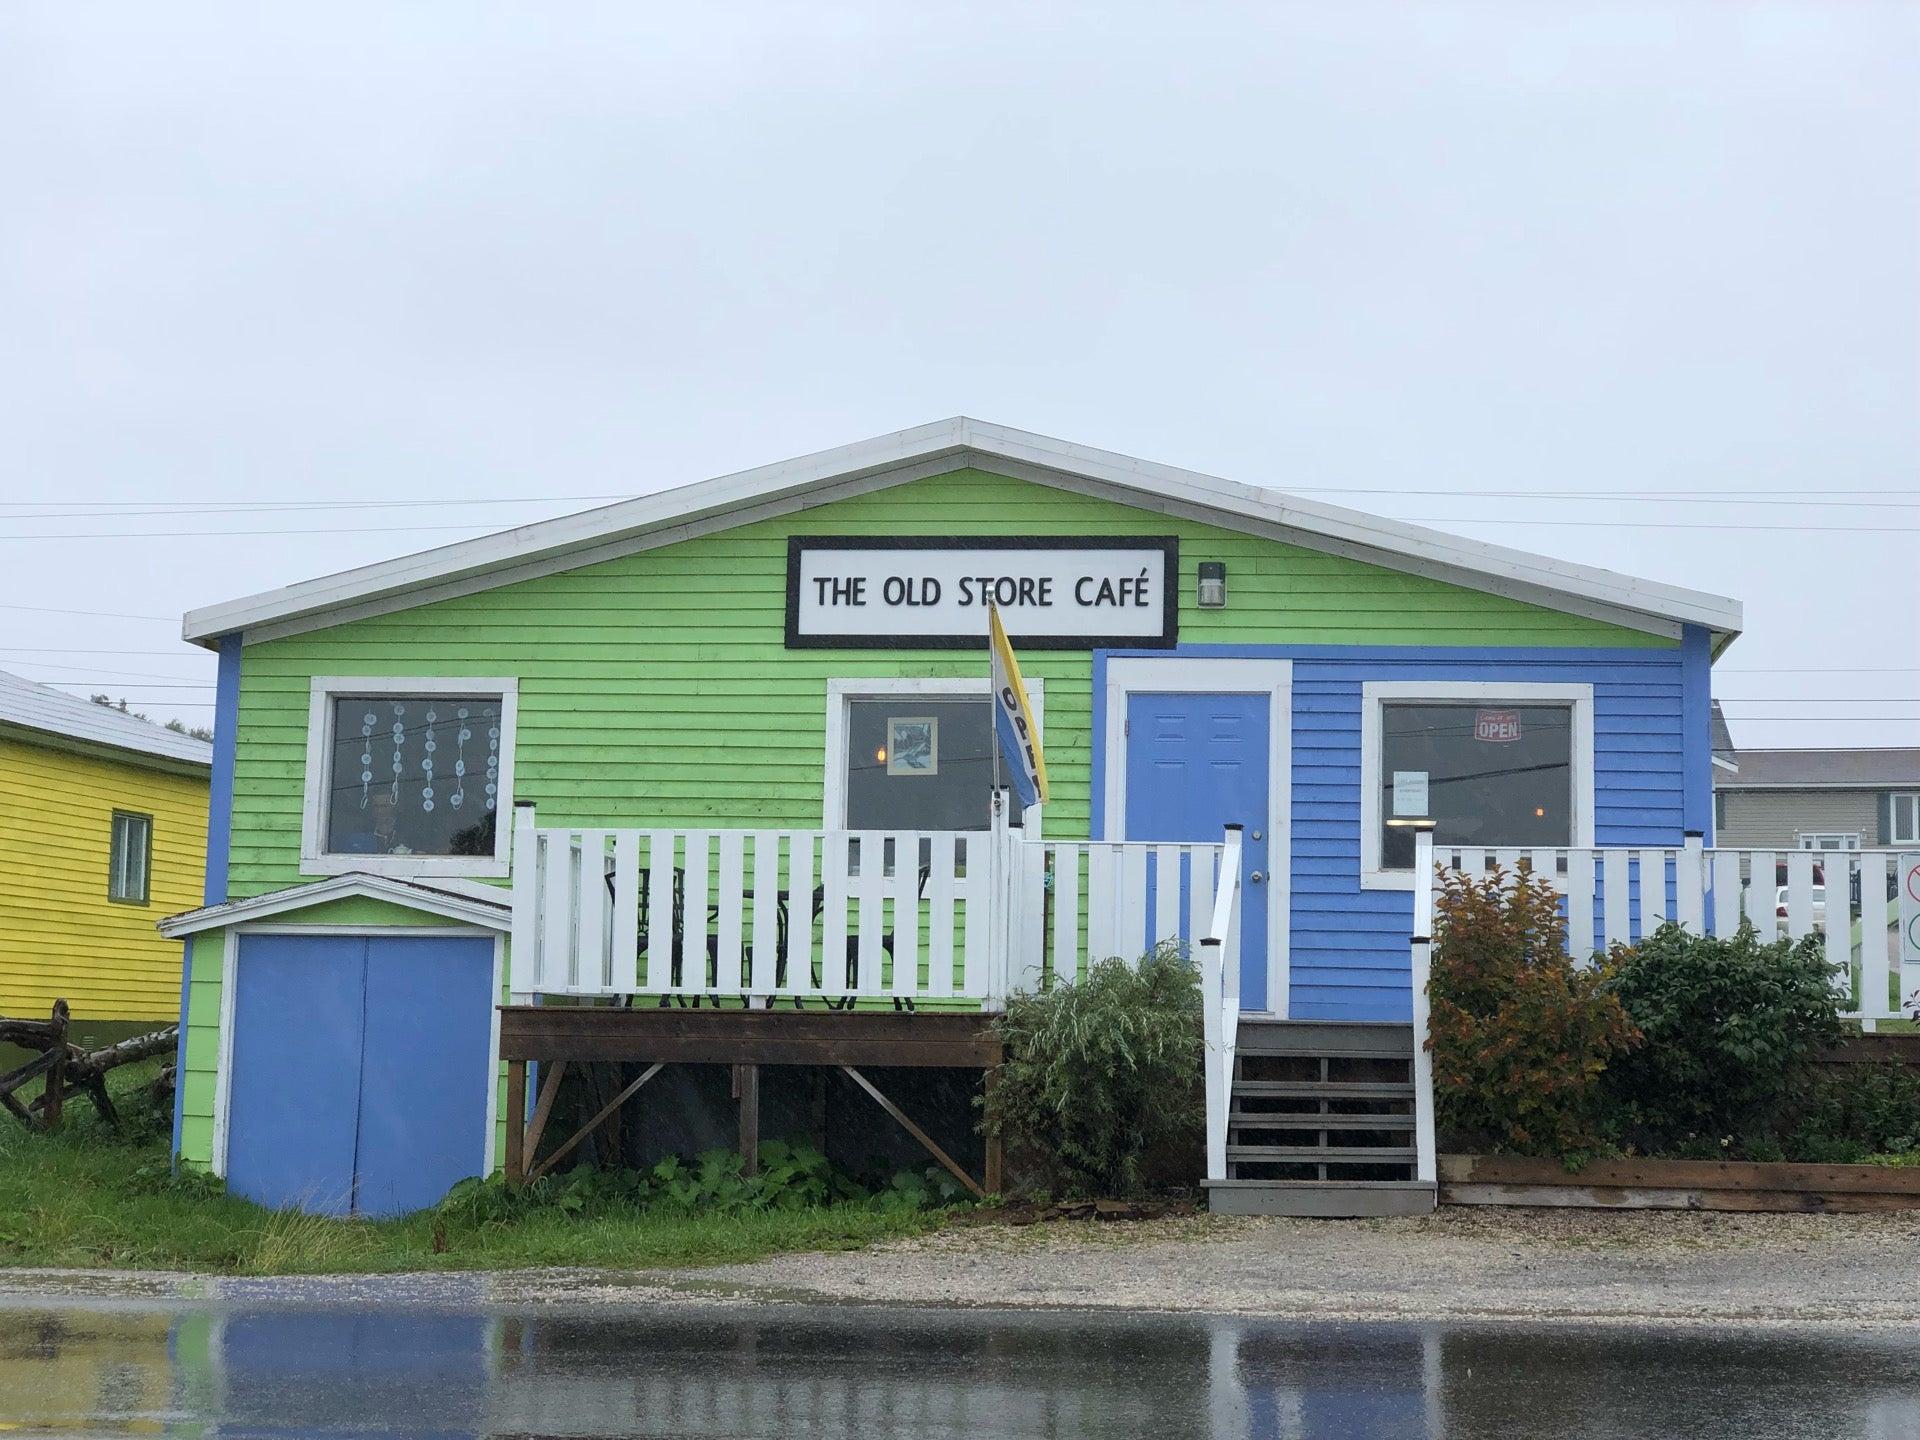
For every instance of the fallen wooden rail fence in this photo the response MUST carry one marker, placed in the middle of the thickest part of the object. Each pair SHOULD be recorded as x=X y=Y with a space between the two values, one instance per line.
x=1652 y=1184
x=63 y=1067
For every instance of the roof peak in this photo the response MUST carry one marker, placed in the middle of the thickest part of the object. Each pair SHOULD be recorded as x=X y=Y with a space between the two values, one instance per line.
x=665 y=515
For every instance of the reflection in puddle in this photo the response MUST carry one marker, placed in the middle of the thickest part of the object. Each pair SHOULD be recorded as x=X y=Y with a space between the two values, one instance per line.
x=291 y=1366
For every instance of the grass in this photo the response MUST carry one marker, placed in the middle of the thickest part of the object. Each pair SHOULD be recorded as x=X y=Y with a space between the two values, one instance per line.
x=93 y=1198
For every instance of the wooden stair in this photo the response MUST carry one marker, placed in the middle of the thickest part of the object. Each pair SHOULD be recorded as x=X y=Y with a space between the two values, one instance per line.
x=1321 y=1122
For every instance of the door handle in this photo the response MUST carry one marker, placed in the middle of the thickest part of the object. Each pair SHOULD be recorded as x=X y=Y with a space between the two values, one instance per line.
x=1256 y=878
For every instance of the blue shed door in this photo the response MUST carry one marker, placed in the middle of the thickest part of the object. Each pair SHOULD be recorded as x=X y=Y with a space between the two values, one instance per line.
x=423 y=1069
x=292 y=1113
x=360 y=1070
x=1197 y=763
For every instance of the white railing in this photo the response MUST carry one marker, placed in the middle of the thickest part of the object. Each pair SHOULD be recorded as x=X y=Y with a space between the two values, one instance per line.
x=757 y=913
x=841 y=915
x=1846 y=897
x=1220 y=999
x=1117 y=898
x=1425 y=1149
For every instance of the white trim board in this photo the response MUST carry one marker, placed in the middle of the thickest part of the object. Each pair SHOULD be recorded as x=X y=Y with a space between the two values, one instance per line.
x=1373 y=693
x=315 y=859
x=425 y=896
x=1185 y=675
x=833 y=807
x=675 y=514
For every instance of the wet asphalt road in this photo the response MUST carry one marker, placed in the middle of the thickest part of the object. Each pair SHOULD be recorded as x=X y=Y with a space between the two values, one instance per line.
x=455 y=1358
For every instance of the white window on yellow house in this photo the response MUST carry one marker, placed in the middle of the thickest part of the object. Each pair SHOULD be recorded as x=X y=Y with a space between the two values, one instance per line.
x=130 y=858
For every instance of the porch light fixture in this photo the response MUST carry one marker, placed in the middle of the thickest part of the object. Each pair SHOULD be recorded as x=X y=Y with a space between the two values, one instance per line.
x=1213 y=584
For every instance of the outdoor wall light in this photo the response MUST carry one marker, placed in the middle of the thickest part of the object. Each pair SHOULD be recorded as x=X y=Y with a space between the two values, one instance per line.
x=1213 y=584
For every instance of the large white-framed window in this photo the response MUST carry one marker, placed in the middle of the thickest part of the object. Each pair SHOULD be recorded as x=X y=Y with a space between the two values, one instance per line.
x=1903 y=819
x=1492 y=763
x=409 y=775
x=914 y=752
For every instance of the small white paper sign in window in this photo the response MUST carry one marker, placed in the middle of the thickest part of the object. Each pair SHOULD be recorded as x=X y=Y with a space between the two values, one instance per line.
x=1410 y=794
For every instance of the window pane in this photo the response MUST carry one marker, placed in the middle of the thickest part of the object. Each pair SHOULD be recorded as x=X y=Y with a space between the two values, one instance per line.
x=919 y=764
x=1489 y=774
x=414 y=775
x=139 y=830
x=127 y=857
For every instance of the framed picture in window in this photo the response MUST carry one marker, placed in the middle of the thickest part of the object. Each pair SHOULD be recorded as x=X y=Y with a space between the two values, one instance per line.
x=913 y=745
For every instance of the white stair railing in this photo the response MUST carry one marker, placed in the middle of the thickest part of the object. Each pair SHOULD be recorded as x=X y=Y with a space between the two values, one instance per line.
x=1426 y=1163
x=1220 y=1001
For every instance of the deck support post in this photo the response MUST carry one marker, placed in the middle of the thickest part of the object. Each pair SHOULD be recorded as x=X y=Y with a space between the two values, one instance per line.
x=746 y=1086
x=516 y=1165
x=543 y=1108
x=612 y=1107
x=926 y=1140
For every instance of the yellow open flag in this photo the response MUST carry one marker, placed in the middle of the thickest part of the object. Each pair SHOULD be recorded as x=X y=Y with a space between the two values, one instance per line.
x=1013 y=725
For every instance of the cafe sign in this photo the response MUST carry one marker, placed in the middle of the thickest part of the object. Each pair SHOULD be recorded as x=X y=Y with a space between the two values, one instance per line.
x=914 y=592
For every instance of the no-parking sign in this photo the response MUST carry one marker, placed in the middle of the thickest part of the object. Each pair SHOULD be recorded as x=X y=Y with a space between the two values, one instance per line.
x=1909 y=924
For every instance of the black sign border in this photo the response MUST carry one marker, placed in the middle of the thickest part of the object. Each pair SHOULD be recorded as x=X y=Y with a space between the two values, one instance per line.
x=1167 y=639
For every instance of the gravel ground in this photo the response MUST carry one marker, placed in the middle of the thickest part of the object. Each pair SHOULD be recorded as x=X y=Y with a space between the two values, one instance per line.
x=1852 y=1270
x=1458 y=1263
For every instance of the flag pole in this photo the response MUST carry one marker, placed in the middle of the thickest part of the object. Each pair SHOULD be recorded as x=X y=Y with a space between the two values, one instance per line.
x=993 y=718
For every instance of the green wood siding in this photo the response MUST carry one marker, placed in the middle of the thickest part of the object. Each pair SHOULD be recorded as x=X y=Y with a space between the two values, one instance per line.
x=657 y=689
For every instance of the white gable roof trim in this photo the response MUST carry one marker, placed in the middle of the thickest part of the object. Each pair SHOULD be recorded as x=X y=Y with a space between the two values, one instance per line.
x=483 y=905
x=683 y=513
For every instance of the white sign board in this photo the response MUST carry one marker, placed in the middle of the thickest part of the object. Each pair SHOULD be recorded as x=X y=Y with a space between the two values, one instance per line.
x=1058 y=593
x=1410 y=794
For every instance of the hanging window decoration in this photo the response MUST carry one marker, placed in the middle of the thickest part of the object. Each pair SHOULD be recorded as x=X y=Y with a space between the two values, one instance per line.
x=492 y=717
x=414 y=813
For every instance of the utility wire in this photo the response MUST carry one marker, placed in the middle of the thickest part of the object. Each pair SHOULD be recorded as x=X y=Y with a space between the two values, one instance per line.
x=1410 y=519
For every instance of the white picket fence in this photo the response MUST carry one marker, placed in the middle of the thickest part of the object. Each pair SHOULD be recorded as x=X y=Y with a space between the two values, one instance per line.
x=1220 y=1000
x=838 y=914
x=1845 y=897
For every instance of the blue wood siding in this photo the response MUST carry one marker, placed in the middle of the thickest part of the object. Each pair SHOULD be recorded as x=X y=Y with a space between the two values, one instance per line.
x=1350 y=946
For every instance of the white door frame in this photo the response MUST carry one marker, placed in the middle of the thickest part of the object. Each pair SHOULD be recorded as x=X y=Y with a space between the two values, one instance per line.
x=1179 y=674
x=229 y=997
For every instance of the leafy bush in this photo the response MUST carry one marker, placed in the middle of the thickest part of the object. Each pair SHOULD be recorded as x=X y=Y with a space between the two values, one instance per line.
x=791 y=1177
x=1858 y=1111
x=1099 y=1073
x=1730 y=1026
x=1520 y=1035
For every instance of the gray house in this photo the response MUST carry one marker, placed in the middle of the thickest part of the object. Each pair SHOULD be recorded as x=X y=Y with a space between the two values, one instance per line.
x=1816 y=799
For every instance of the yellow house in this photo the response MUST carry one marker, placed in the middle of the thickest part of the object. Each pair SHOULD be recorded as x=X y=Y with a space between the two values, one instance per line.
x=103 y=829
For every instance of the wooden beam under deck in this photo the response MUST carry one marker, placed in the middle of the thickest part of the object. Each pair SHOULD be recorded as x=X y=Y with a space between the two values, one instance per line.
x=748 y=1037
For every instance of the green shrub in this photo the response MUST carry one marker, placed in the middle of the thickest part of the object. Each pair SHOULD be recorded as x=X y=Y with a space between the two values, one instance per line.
x=1730 y=1027
x=791 y=1177
x=1099 y=1073
x=1520 y=1035
x=1856 y=1111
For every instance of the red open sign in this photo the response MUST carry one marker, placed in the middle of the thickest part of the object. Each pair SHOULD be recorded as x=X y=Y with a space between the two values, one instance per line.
x=1497 y=727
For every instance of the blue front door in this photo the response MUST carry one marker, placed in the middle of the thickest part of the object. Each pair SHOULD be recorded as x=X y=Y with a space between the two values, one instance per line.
x=1196 y=763
x=359 y=1071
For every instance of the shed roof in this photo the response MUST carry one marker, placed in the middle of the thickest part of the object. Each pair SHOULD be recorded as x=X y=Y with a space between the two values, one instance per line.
x=671 y=515
x=470 y=901
x=27 y=705
x=1854 y=769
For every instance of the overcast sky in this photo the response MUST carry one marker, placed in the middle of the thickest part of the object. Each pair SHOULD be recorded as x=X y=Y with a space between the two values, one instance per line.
x=256 y=255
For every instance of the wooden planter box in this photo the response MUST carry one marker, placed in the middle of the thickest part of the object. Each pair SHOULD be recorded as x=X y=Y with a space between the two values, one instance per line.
x=1677 y=1184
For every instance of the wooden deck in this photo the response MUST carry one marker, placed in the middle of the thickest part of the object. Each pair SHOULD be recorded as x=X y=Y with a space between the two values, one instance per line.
x=747 y=1037
x=556 y=1036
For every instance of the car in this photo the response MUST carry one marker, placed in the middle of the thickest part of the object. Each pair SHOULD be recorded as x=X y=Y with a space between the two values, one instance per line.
x=1819 y=909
